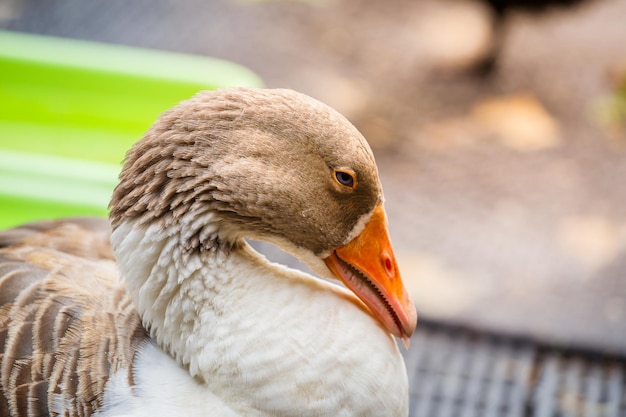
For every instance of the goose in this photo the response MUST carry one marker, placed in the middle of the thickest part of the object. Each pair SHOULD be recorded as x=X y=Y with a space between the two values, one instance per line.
x=167 y=310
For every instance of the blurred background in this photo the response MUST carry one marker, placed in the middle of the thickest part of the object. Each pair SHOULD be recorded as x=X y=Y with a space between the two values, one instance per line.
x=499 y=128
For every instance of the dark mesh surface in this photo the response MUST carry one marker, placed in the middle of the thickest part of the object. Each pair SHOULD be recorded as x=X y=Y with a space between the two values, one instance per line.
x=456 y=372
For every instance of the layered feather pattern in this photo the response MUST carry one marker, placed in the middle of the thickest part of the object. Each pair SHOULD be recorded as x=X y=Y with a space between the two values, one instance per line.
x=66 y=322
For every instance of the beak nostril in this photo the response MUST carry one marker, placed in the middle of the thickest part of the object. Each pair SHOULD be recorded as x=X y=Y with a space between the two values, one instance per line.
x=388 y=265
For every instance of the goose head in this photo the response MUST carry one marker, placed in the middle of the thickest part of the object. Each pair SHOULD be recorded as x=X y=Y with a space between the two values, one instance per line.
x=274 y=165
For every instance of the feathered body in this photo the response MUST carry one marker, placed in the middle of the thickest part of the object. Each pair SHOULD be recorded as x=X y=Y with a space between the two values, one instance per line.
x=199 y=323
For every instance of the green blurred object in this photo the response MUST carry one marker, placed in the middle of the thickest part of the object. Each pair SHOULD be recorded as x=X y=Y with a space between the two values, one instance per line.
x=70 y=109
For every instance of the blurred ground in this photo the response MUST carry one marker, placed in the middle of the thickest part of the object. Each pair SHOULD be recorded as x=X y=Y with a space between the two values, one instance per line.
x=505 y=190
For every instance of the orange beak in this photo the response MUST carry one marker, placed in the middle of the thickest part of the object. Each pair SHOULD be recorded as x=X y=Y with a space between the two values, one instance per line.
x=368 y=267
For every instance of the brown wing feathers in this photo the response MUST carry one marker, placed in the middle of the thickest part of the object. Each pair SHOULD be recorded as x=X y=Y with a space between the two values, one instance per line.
x=66 y=323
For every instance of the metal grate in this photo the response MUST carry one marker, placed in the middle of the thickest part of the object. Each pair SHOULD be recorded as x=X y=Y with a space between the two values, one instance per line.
x=457 y=372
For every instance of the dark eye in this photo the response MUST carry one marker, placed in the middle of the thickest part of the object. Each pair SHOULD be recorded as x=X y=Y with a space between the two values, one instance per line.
x=345 y=178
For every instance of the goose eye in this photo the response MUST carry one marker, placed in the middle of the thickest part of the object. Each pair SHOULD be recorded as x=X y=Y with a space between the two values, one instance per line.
x=345 y=178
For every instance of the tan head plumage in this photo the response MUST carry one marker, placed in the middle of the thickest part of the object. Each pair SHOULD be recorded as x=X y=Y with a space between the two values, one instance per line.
x=263 y=158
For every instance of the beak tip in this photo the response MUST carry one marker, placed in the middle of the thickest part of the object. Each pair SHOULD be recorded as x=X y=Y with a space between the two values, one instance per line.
x=409 y=325
x=406 y=340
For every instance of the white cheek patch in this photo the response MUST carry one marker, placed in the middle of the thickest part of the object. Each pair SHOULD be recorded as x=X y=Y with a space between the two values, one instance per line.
x=359 y=226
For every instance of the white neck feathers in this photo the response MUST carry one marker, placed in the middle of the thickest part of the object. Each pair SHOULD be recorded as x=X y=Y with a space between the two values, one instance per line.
x=259 y=335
